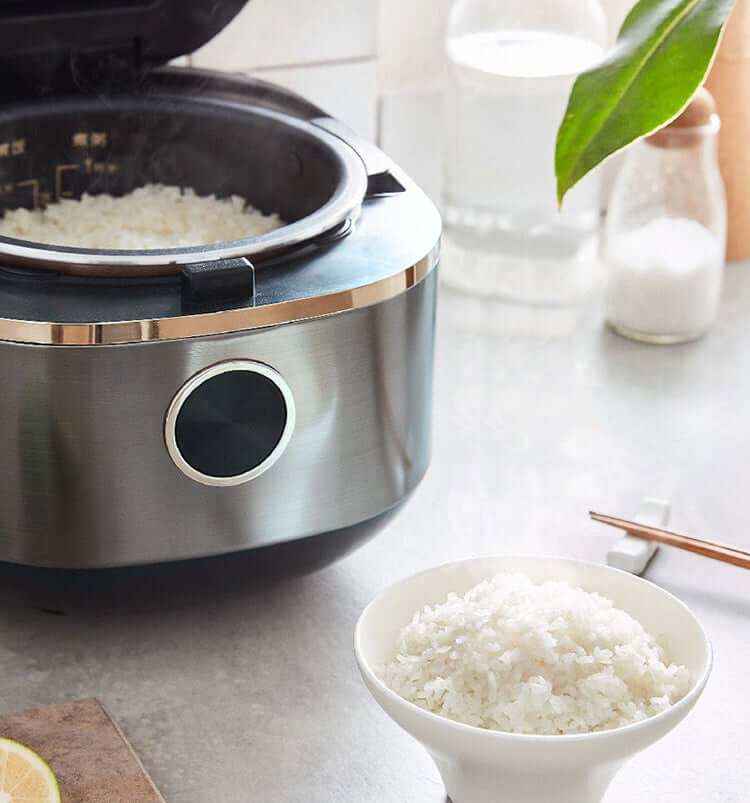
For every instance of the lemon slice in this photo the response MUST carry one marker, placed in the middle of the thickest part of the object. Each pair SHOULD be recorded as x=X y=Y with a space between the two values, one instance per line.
x=24 y=777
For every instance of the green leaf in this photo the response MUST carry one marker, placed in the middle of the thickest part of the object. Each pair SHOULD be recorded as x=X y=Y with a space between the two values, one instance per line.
x=661 y=56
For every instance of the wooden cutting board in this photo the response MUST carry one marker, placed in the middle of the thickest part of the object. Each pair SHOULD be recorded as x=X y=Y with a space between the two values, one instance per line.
x=92 y=760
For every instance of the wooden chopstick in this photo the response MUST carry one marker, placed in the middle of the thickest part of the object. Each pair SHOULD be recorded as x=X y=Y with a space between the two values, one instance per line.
x=708 y=549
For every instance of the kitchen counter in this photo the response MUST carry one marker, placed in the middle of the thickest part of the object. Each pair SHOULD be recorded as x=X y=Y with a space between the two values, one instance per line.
x=233 y=687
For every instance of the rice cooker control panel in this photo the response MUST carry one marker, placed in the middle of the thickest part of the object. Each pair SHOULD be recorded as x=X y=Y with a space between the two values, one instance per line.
x=230 y=422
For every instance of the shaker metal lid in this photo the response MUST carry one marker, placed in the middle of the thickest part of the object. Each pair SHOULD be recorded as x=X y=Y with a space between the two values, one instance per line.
x=99 y=44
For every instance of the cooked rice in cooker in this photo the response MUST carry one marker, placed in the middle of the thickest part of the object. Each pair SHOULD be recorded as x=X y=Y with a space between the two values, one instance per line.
x=153 y=216
x=547 y=659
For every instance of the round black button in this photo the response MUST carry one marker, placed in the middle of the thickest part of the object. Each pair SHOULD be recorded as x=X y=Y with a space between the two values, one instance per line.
x=229 y=422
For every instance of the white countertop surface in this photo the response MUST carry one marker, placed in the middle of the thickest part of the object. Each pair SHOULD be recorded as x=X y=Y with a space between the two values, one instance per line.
x=235 y=689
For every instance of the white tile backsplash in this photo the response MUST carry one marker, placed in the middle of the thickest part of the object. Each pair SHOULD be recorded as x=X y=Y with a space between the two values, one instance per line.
x=410 y=133
x=324 y=51
x=410 y=43
x=275 y=33
x=346 y=90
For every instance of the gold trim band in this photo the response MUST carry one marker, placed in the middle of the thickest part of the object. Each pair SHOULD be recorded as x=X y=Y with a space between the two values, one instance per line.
x=215 y=323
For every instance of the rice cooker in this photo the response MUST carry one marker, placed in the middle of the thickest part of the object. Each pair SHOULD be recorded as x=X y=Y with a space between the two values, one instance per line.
x=158 y=405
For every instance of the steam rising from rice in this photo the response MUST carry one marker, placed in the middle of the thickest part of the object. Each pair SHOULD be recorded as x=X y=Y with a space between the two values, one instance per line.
x=153 y=216
x=547 y=659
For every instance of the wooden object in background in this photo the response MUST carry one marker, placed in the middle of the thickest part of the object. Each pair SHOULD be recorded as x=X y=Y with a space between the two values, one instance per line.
x=729 y=83
x=88 y=753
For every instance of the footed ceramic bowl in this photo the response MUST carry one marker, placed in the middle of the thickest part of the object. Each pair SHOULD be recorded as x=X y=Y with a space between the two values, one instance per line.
x=483 y=766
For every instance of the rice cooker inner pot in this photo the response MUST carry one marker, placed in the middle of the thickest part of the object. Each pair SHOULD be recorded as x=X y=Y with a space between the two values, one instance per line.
x=85 y=107
x=64 y=147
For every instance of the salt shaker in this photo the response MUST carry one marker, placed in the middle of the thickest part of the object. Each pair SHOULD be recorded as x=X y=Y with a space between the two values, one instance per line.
x=665 y=235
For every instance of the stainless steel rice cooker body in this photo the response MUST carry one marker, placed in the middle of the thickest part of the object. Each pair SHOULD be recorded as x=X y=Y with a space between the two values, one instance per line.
x=168 y=405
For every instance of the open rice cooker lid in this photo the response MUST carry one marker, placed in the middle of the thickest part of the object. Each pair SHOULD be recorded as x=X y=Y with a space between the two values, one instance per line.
x=46 y=46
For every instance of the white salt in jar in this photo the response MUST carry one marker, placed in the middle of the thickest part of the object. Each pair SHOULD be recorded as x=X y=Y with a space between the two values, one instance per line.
x=665 y=235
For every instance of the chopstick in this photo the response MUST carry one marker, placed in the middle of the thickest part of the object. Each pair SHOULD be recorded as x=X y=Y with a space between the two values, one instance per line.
x=708 y=549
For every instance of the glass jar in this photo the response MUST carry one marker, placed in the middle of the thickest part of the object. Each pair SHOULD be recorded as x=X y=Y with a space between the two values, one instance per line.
x=665 y=235
x=512 y=64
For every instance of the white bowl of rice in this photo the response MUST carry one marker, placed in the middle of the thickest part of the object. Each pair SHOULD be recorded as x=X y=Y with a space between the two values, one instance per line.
x=531 y=679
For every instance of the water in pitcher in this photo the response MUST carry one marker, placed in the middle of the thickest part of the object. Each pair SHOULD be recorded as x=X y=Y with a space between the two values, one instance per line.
x=503 y=232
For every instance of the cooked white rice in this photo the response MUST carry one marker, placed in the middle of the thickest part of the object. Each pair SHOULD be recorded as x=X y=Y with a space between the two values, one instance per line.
x=523 y=658
x=153 y=216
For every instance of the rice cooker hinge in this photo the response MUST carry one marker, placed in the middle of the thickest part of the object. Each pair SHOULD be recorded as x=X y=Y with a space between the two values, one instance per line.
x=119 y=68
